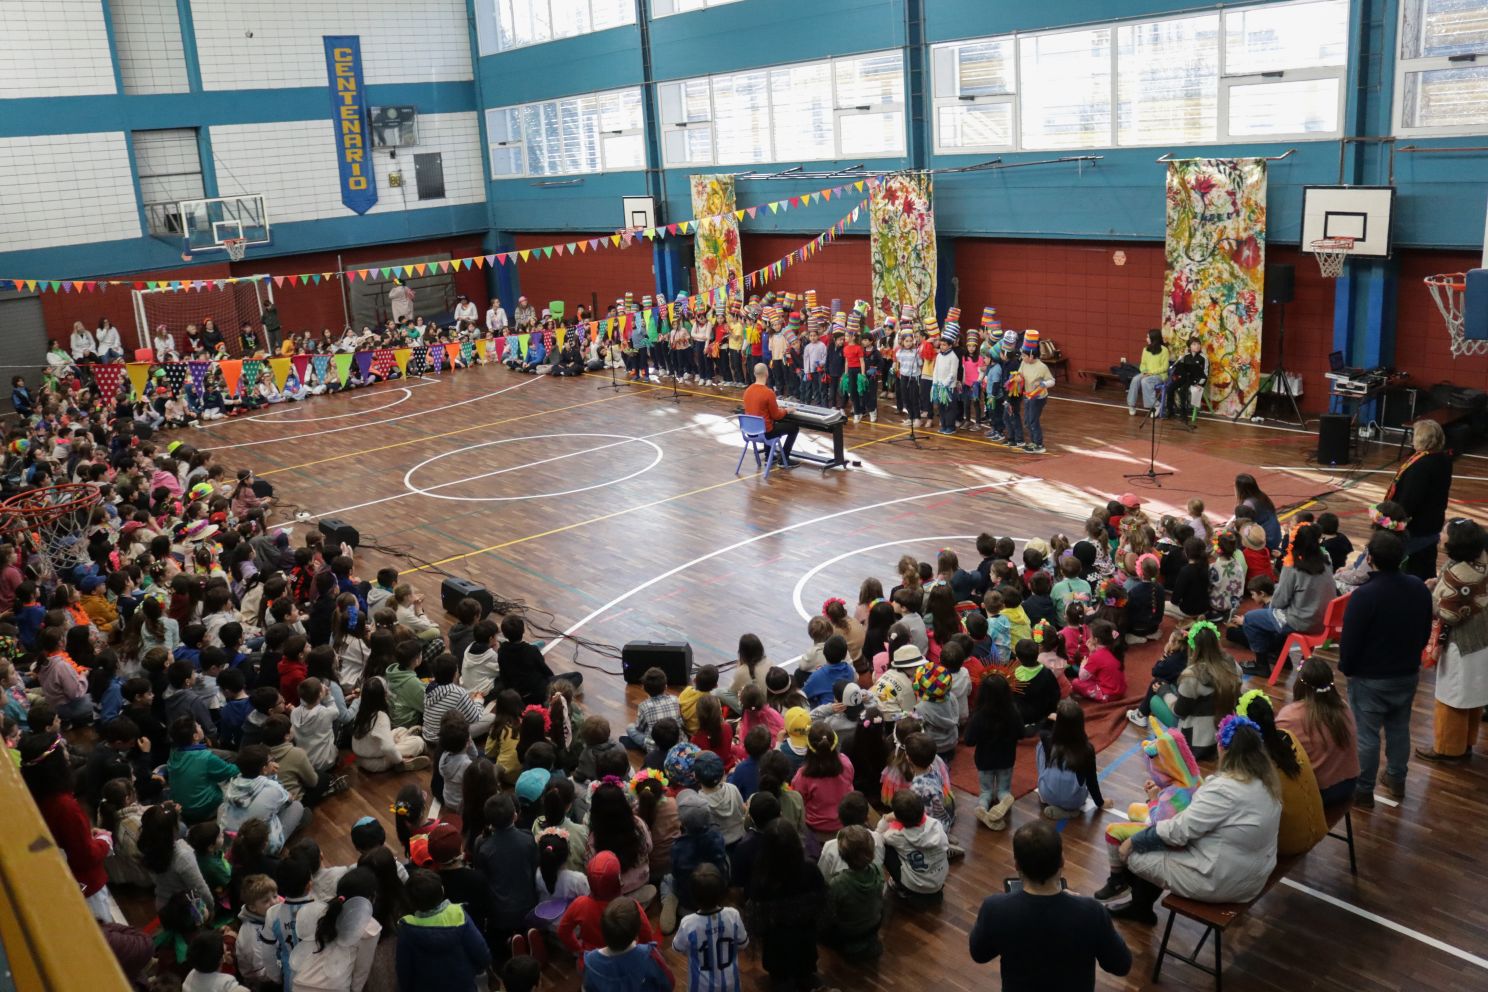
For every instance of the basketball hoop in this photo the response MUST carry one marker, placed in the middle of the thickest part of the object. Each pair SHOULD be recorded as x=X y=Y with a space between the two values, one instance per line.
x=1331 y=253
x=49 y=524
x=1449 y=290
x=236 y=248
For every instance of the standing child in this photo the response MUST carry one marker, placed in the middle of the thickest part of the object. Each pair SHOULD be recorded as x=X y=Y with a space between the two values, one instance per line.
x=1066 y=765
x=785 y=897
x=712 y=936
x=438 y=944
x=994 y=729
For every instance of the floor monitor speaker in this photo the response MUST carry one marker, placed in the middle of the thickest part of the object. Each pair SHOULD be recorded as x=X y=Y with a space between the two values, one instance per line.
x=672 y=657
x=1333 y=438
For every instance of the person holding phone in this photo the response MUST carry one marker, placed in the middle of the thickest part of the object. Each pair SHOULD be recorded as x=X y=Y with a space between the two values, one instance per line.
x=1049 y=940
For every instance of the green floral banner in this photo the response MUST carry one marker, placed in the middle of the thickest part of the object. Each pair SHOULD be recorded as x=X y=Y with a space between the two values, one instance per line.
x=902 y=243
x=1215 y=286
x=720 y=264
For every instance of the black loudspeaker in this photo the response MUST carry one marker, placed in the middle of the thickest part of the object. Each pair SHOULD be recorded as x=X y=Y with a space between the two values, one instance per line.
x=1280 y=283
x=672 y=657
x=1333 y=438
x=339 y=532
x=453 y=590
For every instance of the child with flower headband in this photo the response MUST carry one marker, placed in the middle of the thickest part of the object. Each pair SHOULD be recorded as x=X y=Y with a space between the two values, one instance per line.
x=1146 y=600
x=1102 y=677
x=1384 y=515
x=1053 y=654
x=1303 y=822
x=555 y=879
x=1207 y=689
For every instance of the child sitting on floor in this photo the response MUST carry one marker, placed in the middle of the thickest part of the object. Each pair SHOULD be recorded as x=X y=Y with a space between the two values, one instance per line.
x=915 y=849
x=1102 y=677
x=1066 y=765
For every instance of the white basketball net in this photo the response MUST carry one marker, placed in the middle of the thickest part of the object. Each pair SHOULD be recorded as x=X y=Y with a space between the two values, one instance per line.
x=1449 y=290
x=236 y=248
x=1331 y=253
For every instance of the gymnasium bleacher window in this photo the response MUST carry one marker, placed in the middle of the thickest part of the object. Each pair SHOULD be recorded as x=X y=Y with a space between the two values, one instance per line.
x=801 y=112
x=168 y=164
x=572 y=135
x=1441 y=77
x=1270 y=72
x=662 y=8
x=502 y=25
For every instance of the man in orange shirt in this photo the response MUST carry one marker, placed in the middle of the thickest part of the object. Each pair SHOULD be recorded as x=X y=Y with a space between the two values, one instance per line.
x=759 y=401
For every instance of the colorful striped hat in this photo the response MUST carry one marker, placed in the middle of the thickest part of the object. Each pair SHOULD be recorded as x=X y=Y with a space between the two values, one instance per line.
x=1010 y=340
x=972 y=340
x=646 y=303
x=854 y=321
x=794 y=321
x=953 y=315
x=629 y=299
x=839 y=321
x=989 y=316
x=1031 y=340
x=931 y=324
x=952 y=333
x=908 y=313
x=810 y=299
x=836 y=305
x=932 y=682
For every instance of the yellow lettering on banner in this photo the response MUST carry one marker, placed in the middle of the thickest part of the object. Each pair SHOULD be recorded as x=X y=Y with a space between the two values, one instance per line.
x=356 y=168
x=346 y=82
x=353 y=154
x=341 y=54
x=356 y=182
x=349 y=113
x=345 y=69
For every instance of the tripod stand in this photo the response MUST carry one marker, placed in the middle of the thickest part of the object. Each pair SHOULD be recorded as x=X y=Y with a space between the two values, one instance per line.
x=1152 y=474
x=1279 y=374
x=913 y=438
x=613 y=383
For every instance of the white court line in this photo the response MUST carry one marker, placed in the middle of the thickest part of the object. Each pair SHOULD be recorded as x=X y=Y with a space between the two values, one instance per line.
x=374 y=423
x=407 y=392
x=428 y=490
x=1357 y=471
x=1429 y=941
x=765 y=536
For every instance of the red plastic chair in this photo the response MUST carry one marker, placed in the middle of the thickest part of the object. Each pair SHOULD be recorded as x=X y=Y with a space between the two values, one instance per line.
x=144 y=355
x=1309 y=643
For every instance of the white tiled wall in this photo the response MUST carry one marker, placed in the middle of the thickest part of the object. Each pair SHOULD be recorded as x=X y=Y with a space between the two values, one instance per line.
x=294 y=165
x=54 y=48
x=147 y=36
x=403 y=41
x=66 y=190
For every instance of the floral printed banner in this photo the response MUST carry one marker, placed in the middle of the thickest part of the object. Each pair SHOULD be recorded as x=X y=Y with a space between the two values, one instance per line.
x=902 y=243
x=719 y=262
x=1215 y=285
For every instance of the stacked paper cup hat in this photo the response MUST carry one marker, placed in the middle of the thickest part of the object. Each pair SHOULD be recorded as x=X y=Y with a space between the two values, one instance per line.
x=791 y=299
x=792 y=328
x=1010 y=341
x=972 y=340
x=989 y=316
x=854 y=321
x=839 y=322
x=931 y=324
x=908 y=314
x=954 y=314
x=810 y=299
x=645 y=303
x=1031 y=340
x=629 y=300
x=836 y=306
x=952 y=332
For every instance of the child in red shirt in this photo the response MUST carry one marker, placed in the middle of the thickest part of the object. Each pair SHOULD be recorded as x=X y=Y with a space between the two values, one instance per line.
x=1101 y=677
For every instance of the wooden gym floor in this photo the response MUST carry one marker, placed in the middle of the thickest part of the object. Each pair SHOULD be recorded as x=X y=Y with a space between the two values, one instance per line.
x=614 y=515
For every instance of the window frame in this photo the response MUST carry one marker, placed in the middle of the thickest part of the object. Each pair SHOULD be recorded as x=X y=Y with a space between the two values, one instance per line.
x=706 y=5
x=1406 y=66
x=521 y=142
x=488 y=25
x=1224 y=83
x=839 y=111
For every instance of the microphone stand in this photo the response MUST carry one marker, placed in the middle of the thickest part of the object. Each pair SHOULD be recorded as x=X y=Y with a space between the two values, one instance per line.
x=1152 y=474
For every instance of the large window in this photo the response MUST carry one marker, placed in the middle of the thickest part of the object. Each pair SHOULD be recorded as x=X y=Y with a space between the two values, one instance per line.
x=804 y=112
x=1441 y=77
x=661 y=8
x=596 y=132
x=1274 y=72
x=502 y=25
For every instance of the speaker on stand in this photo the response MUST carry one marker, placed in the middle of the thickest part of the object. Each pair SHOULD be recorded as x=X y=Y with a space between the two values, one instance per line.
x=1280 y=286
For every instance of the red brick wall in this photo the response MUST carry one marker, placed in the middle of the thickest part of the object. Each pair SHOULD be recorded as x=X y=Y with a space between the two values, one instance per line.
x=1098 y=311
x=841 y=270
x=313 y=307
x=1420 y=333
x=603 y=275
x=116 y=303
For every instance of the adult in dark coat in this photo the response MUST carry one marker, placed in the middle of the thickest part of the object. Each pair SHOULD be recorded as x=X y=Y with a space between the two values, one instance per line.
x=1423 y=485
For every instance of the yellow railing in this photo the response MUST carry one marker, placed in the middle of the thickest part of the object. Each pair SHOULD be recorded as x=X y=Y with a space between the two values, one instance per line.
x=51 y=942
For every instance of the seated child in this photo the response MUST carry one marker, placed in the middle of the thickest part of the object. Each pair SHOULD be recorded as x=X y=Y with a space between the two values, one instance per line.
x=204 y=955
x=579 y=929
x=745 y=776
x=658 y=705
x=915 y=849
x=1066 y=765
x=757 y=713
x=623 y=964
x=1102 y=677
x=855 y=906
x=725 y=804
x=704 y=681
x=438 y=944
x=852 y=811
x=665 y=734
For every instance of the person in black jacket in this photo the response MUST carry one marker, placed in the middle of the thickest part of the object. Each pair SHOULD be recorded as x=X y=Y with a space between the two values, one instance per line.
x=522 y=665
x=1190 y=373
x=1385 y=628
x=1191 y=589
x=1018 y=926
x=1423 y=486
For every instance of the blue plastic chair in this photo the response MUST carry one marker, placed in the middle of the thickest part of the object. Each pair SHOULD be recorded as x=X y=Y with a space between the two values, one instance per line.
x=753 y=431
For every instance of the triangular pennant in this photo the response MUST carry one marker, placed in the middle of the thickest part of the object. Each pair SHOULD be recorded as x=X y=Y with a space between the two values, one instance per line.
x=615 y=240
x=827 y=195
x=484 y=348
x=435 y=355
x=524 y=254
x=321 y=364
x=280 y=368
x=739 y=214
x=523 y=340
x=199 y=373
x=343 y=367
x=108 y=378
x=547 y=251
x=452 y=350
x=175 y=376
x=775 y=207
x=139 y=376
x=363 y=364
x=252 y=372
x=571 y=246
x=232 y=372
x=300 y=363
x=419 y=361
x=401 y=356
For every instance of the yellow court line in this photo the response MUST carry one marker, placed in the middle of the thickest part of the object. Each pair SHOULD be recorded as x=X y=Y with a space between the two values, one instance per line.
x=618 y=513
x=430 y=437
x=1297 y=509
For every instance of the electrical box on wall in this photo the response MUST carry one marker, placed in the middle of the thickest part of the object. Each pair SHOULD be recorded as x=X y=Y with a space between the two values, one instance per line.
x=395 y=179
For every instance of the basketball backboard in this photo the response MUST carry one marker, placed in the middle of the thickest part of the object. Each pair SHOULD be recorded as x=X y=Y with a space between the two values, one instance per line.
x=1364 y=213
x=203 y=225
x=640 y=211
